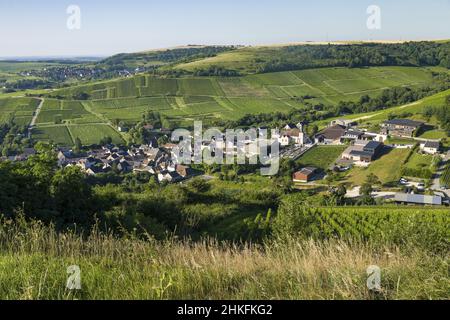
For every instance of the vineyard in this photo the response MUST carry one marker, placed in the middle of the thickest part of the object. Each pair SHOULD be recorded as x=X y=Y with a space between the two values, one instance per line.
x=425 y=227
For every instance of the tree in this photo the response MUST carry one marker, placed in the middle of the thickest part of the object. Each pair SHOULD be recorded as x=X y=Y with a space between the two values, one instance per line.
x=341 y=191
x=71 y=195
x=105 y=141
x=199 y=185
x=78 y=145
x=81 y=96
x=366 y=189
x=373 y=180
x=163 y=140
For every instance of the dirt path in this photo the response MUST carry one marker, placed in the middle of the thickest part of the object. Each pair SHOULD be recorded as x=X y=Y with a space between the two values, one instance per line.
x=35 y=116
x=389 y=109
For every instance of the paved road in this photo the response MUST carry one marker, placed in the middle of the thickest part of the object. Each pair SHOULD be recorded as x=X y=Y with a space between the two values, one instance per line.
x=354 y=193
x=436 y=185
x=34 y=119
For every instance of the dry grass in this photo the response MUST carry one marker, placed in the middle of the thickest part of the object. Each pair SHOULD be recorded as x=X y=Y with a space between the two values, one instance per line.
x=34 y=258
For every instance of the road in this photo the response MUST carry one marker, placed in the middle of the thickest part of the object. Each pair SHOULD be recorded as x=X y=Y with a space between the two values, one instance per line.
x=354 y=193
x=35 y=116
x=384 y=111
x=436 y=185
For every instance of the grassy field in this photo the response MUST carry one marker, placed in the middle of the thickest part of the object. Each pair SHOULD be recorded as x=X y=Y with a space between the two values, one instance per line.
x=321 y=157
x=387 y=168
x=415 y=108
x=92 y=134
x=34 y=261
x=420 y=161
x=57 y=134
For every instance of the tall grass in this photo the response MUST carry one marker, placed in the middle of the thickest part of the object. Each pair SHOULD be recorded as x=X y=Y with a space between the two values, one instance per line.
x=34 y=259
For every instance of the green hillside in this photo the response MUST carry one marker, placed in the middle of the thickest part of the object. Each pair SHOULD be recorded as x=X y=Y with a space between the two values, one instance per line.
x=183 y=100
x=248 y=60
x=413 y=110
x=230 y=98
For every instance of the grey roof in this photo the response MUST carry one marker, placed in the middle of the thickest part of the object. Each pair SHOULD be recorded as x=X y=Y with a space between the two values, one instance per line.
x=308 y=170
x=372 y=145
x=361 y=153
x=354 y=132
x=333 y=133
x=432 y=144
x=418 y=198
x=405 y=122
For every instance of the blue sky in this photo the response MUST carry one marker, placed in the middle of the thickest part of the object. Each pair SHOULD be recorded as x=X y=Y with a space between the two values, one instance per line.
x=38 y=28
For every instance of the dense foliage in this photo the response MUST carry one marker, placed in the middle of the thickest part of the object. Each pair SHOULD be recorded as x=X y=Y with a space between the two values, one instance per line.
x=67 y=197
x=12 y=138
x=361 y=55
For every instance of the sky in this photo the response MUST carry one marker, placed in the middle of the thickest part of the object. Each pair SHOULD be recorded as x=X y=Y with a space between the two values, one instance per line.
x=39 y=28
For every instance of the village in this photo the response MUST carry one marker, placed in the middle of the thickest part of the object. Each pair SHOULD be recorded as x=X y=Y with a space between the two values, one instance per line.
x=362 y=148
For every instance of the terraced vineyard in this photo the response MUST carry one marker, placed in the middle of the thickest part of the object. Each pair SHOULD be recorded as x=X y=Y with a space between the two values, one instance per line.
x=21 y=109
x=426 y=227
x=230 y=98
x=182 y=100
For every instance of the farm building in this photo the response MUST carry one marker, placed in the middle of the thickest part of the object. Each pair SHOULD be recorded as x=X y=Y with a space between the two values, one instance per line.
x=353 y=134
x=430 y=147
x=304 y=175
x=343 y=122
x=331 y=135
x=363 y=151
x=401 y=127
x=407 y=198
x=295 y=136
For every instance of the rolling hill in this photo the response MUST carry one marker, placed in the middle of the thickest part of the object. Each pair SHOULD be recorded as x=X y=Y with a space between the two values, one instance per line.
x=183 y=100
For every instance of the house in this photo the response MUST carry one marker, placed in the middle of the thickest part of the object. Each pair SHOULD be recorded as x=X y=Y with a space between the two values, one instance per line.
x=407 y=198
x=152 y=153
x=27 y=152
x=87 y=163
x=353 y=134
x=184 y=171
x=290 y=126
x=363 y=151
x=343 y=122
x=169 y=176
x=401 y=127
x=295 y=136
x=331 y=135
x=304 y=175
x=64 y=156
x=124 y=166
x=430 y=147
x=94 y=170
x=284 y=140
